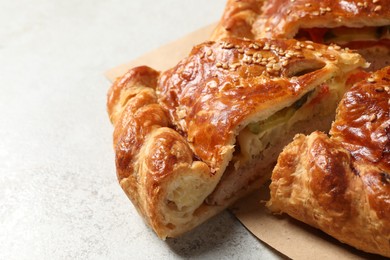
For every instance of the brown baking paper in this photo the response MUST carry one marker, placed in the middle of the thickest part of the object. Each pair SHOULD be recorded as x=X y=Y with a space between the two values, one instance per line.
x=288 y=236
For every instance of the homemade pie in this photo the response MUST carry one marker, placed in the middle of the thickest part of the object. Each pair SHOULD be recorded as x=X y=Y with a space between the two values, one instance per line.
x=192 y=140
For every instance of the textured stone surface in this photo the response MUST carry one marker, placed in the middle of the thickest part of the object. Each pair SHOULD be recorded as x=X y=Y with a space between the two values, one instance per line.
x=59 y=197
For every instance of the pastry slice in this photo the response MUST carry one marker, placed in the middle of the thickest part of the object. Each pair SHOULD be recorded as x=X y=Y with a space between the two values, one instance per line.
x=341 y=184
x=356 y=24
x=192 y=140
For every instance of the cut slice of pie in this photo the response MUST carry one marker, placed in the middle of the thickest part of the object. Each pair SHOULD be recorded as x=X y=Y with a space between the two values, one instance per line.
x=341 y=184
x=192 y=140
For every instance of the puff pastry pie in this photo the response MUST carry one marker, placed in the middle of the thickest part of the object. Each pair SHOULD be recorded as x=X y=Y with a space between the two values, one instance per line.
x=357 y=24
x=341 y=184
x=192 y=140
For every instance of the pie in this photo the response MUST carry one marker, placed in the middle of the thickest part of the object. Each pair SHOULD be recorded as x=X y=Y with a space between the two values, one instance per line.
x=192 y=140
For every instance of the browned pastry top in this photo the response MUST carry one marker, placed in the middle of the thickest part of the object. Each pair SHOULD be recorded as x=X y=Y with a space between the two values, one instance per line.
x=286 y=17
x=364 y=129
x=215 y=91
x=237 y=19
x=341 y=184
x=255 y=19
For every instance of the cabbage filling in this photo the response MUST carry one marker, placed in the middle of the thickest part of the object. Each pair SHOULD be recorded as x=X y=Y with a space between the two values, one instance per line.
x=258 y=136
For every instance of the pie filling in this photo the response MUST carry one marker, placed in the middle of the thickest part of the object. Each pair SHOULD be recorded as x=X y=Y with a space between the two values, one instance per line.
x=354 y=38
x=259 y=143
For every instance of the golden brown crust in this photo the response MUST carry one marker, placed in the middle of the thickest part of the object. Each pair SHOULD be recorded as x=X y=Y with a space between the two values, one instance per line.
x=175 y=132
x=285 y=17
x=237 y=20
x=221 y=85
x=341 y=184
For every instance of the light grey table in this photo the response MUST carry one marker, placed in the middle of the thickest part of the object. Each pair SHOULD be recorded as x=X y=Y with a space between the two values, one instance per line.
x=59 y=197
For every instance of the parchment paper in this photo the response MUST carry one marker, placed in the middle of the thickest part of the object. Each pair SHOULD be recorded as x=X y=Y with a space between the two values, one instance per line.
x=290 y=237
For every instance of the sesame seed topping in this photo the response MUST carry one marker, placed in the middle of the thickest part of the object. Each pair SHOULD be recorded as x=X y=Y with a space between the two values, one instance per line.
x=375 y=1
x=379 y=89
x=310 y=47
x=218 y=65
x=235 y=65
x=371 y=80
x=209 y=52
x=308 y=4
x=268 y=29
x=387 y=89
x=315 y=13
x=276 y=66
x=372 y=118
x=377 y=8
x=360 y=4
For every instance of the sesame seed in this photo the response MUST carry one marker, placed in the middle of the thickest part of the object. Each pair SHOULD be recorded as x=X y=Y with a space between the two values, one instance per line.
x=218 y=65
x=268 y=29
x=360 y=4
x=235 y=65
x=371 y=80
x=375 y=1
x=372 y=118
x=276 y=66
x=209 y=52
x=285 y=63
x=379 y=89
x=310 y=47
x=202 y=55
x=387 y=89
x=240 y=51
x=227 y=45
x=225 y=66
x=377 y=8
x=308 y=4
x=315 y=13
